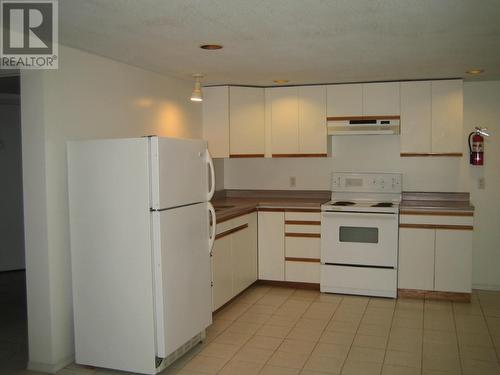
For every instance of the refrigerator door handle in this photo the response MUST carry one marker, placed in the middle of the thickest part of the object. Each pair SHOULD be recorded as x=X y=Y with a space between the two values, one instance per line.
x=211 y=238
x=210 y=163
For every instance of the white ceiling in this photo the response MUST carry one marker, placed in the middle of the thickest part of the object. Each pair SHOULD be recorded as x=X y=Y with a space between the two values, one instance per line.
x=305 y=41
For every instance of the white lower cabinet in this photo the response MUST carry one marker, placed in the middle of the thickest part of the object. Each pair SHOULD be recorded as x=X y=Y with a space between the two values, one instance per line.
x=271 y=245
x=435 y=258
x=222 y=273
x=234 y=258
x=244 y=255
x=302 y=247
x=453 y=260
x=416 y=258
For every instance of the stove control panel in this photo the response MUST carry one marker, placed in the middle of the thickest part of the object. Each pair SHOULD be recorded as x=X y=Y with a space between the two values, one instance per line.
x=367 y=182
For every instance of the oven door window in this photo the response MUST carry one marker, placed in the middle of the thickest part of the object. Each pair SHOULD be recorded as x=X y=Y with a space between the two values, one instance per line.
x=358 y=234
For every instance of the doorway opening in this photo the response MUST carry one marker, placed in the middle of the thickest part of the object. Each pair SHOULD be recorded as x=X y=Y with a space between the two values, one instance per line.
x=13 y=315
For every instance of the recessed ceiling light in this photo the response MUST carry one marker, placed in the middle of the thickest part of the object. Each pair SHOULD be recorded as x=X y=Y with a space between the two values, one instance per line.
x=281 y=81
x=474 y=71
x=211 y=47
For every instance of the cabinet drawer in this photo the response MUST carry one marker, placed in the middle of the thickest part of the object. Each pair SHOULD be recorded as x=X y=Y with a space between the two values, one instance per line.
x=301 y=228
x=231 y=224
x=303 y=216
x=437 y=220
x=304 y=272
x=301 y=247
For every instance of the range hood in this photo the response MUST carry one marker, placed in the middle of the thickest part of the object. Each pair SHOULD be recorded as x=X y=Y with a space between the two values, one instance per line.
x=363 y=125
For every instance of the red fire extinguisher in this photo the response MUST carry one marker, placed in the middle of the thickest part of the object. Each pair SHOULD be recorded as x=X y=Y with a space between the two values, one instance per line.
x=476 y=147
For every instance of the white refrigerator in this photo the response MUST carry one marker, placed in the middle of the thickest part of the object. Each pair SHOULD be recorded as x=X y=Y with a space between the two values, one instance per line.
x=142 y=229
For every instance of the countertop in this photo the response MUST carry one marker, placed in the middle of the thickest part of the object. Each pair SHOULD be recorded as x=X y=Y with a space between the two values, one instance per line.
x=232 y=203
x=435 y=202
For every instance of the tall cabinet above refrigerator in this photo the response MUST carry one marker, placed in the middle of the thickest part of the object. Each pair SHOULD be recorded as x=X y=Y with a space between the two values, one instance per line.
x=142 y=228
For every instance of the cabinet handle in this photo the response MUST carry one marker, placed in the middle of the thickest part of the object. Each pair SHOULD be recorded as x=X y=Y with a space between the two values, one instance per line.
x=231 y=231
x=437 y=226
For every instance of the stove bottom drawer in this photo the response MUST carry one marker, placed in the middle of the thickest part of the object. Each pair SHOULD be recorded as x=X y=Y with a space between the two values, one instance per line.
x=380 y=282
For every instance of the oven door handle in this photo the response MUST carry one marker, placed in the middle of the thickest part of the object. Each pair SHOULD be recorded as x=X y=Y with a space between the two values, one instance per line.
x=373 y=215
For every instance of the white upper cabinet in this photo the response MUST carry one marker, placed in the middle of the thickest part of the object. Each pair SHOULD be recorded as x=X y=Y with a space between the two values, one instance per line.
x=246 y=121
x=233 y=121
x=284 y=107
x=363 y=99
x=312 y=120
x=216 y=120
x=381 y=99
x=447 y=116
x=344 y=100
x=297 y=120
x=416 y=117
x=432 y=118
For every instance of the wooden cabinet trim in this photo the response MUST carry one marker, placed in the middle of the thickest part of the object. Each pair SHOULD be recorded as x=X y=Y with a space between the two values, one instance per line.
x=231 y=231
x=357 y=118
x=289 y=284
x=437 y=226
x=438 y=154
x=246 y=156
x=307 y=235
x=436 y=213
x=303 y=222
x=302 y=209
x=434 y=295
x=270 y=209
x=319 y=155
x=307 y=260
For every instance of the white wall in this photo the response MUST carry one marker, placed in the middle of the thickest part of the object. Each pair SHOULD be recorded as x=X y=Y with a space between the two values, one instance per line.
x=88 y=97
x=381 y=153
x=11 y=201
x=482 y=107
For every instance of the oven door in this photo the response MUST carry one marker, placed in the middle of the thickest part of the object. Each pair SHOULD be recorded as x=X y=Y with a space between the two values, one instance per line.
x=359 y=238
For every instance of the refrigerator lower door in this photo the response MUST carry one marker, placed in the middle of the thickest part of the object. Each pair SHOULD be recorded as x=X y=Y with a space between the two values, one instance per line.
x=182 y=275
x=180 y=170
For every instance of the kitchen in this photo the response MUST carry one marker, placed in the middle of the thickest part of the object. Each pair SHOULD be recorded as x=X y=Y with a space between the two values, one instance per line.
x=141 y=105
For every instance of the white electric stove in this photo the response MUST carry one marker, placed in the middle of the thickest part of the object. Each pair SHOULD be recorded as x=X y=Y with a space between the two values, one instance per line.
x=359 y=234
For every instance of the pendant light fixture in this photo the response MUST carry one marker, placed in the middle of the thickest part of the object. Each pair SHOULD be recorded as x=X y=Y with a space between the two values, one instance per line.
x=196 y=95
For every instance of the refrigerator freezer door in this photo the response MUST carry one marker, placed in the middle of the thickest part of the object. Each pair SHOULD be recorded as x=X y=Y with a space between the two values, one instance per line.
x=182 y=275
x=180 y=170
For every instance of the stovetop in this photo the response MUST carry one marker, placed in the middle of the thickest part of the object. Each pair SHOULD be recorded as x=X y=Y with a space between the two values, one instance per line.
x=361 y=206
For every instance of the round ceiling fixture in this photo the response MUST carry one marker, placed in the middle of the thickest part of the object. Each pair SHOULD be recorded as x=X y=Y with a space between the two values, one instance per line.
x=475 y=71
x=281 y=81
x=211 y=47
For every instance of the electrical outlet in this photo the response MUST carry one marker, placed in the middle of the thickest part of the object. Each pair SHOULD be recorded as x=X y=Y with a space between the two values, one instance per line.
x=481 y=183
x=293 y=181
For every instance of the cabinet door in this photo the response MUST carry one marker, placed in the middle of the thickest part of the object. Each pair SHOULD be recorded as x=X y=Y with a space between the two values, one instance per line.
x=284 y=120
x=344 y=100
x=447 y=116
x=222 y=274
x=312 y=120
x=381 y=99
x=416 y=258
x=216 y=120
x=246 y=119
x=453 y=260
x=271 y=246
x=416 y=125
x=244 y=255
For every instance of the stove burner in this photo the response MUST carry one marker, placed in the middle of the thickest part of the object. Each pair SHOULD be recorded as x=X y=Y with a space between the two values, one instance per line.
x=343 y=203
x=382 y=204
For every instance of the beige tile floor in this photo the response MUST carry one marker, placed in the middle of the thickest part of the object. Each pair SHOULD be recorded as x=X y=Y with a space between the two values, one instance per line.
x=284 y=331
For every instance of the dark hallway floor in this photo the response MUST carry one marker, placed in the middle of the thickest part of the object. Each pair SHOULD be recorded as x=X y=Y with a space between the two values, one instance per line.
x=13 y=322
